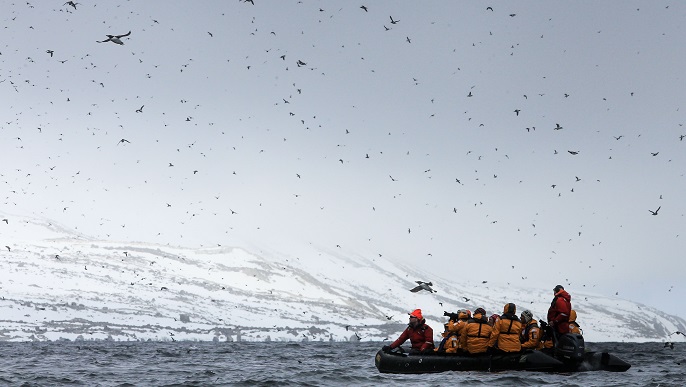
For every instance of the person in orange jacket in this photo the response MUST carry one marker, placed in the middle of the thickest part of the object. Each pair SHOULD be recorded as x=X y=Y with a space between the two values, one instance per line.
x=574 y=327
x=531 y=333
x=453 y=330
x=476 y=333
x=421 y=336
x=506 y=331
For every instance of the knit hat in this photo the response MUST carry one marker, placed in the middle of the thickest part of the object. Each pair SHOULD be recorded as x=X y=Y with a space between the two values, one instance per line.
x=527 y=315
x=416 y=313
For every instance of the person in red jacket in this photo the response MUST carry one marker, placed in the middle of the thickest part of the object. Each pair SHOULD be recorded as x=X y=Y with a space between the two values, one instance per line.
x=421 y=335
x=559 y=311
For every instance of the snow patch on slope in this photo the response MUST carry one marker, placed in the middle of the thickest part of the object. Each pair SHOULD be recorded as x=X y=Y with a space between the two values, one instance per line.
x=58 y=284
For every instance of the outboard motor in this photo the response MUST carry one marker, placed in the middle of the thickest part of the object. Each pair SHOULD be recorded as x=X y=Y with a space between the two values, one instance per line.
x=570 y=348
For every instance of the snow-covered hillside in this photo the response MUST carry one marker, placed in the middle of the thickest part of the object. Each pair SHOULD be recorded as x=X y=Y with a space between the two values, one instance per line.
x=57 y=283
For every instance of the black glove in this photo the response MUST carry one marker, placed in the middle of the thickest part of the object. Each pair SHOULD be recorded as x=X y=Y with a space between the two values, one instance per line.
x=386 y=348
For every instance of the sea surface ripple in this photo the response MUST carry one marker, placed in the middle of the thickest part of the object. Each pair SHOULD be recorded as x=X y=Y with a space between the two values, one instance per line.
x=102 y=363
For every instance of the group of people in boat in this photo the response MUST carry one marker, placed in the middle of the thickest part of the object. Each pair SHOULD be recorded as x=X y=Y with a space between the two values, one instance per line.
x=475 y=333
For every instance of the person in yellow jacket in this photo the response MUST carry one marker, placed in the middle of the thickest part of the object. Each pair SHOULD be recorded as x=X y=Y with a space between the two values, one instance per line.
x=506 y=331
x=453 y=329
x=450 y=342
x=475 y=334
x=573 y=326
x=531 y=333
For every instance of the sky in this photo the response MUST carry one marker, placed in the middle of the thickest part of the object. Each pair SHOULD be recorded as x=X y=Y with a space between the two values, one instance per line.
x=531 y=143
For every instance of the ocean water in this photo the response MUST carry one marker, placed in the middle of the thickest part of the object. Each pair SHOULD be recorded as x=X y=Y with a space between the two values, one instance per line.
x=299 y=364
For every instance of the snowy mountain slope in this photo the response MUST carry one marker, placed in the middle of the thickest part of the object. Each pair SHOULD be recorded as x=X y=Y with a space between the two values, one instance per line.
x=56 y=283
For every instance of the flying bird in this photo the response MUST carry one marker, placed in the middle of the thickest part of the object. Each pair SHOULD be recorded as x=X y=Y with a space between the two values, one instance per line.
x=573 y=152
x=655 y=212
x=73 y=4
x=114 y=38
x=394 y=21
x=466 y=299
x=140 y=110
x=422 y=286
x=50 y=52
x=678 y=333
x=365 y=8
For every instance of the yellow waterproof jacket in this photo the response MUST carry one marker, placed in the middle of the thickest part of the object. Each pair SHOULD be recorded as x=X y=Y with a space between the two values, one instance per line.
x=455 y=328
x=452 y=343
x=531 y=336
x=573 y=326
x=547 y=343
x=505 y=334
x=475 y=334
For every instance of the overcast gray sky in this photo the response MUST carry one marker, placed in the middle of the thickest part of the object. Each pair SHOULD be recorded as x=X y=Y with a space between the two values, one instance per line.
x=522 y=142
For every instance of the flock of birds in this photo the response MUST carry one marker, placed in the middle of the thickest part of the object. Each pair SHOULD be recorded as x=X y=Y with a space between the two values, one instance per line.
x=25 y=181
x=427 y=286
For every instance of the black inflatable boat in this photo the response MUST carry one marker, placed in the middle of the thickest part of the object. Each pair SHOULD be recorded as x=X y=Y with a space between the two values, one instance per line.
x=569 y=356
x=401 y=363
